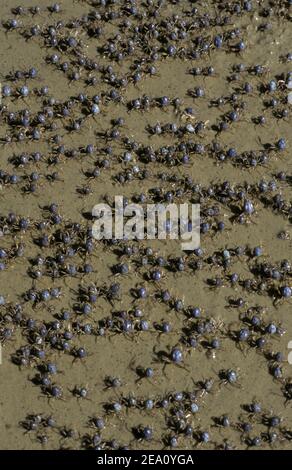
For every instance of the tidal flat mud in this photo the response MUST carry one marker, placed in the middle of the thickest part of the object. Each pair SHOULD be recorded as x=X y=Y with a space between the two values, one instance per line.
x=137 y=344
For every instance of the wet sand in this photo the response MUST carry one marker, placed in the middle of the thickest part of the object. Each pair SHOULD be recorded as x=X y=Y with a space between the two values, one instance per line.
x=117 y=353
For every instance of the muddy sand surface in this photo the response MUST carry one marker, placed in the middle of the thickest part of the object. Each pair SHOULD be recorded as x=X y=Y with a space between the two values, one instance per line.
x=138 y=344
